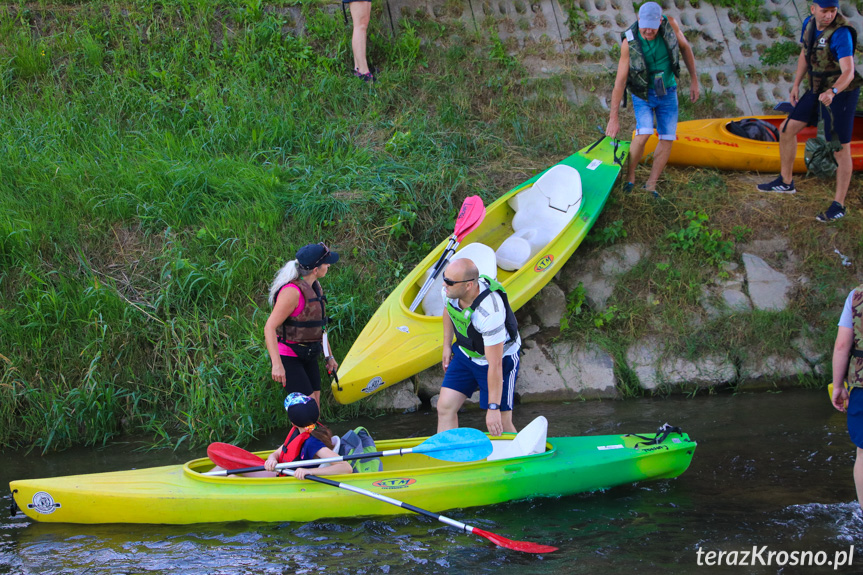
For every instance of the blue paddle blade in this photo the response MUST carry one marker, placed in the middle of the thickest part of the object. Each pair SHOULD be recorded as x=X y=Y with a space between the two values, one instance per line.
x=462 y=444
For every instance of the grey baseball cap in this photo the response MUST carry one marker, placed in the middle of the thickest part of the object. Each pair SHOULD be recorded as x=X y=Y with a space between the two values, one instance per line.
x=649 y=15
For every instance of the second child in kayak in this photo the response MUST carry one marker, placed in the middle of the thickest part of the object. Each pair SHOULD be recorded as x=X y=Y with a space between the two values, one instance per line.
x=478 y=315
x=295 y=331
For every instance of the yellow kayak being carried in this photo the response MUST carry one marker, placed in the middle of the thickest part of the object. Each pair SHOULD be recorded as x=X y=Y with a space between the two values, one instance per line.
x=709 y=143
x=523 y=241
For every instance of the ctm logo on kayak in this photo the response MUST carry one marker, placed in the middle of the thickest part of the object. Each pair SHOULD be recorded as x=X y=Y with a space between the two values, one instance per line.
x=400 y=483
x=543 y=264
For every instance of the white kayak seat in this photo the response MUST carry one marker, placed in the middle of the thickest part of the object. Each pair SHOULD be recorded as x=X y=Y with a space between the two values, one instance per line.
x=484 y=258
x=336 y=443
x=529 y=440
x=541 y=212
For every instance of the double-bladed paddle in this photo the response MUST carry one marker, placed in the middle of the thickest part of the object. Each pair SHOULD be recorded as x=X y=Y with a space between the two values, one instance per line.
x=462 y=444
x=469 y=218
x=232 y=454
x=524 y=546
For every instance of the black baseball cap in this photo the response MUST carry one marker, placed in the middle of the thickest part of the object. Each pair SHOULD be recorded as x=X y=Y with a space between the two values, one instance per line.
x=302 y=409
x=313 y=255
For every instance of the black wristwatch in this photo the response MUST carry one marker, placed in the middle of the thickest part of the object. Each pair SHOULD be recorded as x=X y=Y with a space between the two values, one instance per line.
x=835 y=91
x=493 y=406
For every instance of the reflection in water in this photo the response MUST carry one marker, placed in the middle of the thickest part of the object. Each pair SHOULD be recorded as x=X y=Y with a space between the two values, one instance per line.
x=770 y=469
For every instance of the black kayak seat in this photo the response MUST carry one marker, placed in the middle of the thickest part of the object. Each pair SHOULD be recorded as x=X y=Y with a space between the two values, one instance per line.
x=754 y=129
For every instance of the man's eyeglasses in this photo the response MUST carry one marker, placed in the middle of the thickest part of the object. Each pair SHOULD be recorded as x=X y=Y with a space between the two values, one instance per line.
x=451 y=283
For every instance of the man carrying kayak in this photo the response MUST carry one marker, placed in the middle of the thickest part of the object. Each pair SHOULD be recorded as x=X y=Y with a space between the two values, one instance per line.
x=649 y=67
x=827 y=57
x=486 y=355
x=848 y=364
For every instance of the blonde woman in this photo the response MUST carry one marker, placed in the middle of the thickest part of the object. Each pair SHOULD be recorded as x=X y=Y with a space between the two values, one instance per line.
x=295 y=330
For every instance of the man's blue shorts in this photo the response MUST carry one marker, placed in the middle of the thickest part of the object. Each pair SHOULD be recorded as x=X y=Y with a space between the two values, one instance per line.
x=666 y=110
x=855 y=416
x=843 y=107
x=466 y=377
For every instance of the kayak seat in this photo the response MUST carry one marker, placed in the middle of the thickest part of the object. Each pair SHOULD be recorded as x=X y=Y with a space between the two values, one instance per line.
x=541 y=212
x=529 y=440
x=337 y=442
x=481 y=254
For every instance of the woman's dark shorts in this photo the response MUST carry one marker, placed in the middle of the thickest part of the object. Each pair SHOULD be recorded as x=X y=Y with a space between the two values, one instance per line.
x=302 y=375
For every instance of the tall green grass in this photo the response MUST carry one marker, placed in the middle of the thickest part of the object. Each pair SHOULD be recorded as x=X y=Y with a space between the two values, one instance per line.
x=162 y=159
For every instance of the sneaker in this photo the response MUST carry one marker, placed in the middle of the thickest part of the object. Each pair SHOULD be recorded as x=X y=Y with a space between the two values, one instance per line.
x=777 y=185
x=627 y=187
x=833 y=213
x=653 y=193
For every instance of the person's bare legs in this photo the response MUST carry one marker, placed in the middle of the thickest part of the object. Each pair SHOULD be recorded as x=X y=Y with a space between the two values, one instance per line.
x=660 y=158
x=360 y=14
x=858 y=476
x=844 y=169
x=448 y=403
x=788 y=148
x=636 y=151
x=506 y=421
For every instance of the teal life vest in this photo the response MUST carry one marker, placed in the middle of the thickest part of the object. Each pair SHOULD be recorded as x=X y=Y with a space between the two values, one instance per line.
x=639 y=81
x=466 y=335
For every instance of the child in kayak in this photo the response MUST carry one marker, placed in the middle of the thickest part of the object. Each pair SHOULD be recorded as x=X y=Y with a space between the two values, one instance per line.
x=307 y=439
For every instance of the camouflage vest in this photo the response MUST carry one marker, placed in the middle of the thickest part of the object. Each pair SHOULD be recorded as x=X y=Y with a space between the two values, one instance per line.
x=824 y=68
x=309 y=325
x=638 y=82
x=855 y=363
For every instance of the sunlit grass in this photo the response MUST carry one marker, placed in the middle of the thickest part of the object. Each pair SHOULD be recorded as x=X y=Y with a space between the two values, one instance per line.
x=161 y=160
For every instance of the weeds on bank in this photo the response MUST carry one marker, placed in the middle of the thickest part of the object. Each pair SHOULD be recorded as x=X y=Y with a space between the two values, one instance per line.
x=163 y=160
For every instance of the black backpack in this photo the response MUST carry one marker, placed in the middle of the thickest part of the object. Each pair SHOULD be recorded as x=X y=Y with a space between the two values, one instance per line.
x=754 y=129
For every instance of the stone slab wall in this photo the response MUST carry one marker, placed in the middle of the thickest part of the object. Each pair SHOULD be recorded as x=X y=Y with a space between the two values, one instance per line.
x=585 y=33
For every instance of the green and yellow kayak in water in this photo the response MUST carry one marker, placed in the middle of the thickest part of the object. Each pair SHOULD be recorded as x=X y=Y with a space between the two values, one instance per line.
x=181 y=494
x=524 y=240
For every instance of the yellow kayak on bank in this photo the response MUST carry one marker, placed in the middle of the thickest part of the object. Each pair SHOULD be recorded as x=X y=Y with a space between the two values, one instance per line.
x=708 y=143
x=526 y=237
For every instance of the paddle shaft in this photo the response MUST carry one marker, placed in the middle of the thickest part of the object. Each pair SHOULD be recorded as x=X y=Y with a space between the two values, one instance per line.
x=314 y=462
x=436 y=269
x=443 y=519
x=524 y=546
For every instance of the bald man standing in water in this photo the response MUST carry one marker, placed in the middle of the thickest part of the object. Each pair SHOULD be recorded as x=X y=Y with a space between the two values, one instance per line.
x=486 y=355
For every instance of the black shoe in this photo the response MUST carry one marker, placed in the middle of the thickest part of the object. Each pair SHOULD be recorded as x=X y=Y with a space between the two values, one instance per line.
x=653 y=193
x=833 y=213
x=627 y=187
x=777 y=185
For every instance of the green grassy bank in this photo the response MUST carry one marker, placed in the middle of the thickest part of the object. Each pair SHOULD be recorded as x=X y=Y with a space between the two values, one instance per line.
x=160 y=160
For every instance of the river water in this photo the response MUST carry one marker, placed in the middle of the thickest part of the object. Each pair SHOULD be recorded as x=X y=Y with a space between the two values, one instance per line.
x=771 y=469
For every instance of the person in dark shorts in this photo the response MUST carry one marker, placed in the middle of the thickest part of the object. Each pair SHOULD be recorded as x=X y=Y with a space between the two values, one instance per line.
x=361 y=13
x=485 y=356
x=295 y=331
x=827 y=58
x=848 y=365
